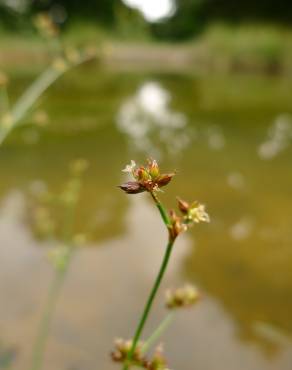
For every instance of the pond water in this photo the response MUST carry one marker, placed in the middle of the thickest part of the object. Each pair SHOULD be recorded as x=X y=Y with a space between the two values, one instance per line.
x=230 y=138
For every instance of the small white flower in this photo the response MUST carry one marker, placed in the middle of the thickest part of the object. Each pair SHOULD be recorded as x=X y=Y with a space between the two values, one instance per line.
x=198 y=214
x=129 y=167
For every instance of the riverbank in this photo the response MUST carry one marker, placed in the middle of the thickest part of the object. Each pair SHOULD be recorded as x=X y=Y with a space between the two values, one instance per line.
x=221 y=49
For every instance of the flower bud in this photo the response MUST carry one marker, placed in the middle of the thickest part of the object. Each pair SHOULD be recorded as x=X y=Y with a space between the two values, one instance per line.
x=158 y=361
x=122 y=349
x=142 y=174
x=132 y=187
x=177 y=226
x=163 y=180
x=183 y=205
x=182 y=297
x=153 y=168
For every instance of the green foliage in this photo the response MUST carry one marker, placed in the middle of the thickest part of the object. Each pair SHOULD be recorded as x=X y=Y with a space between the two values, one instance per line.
x=190 y=17
x=252 y=47
x=184 y=24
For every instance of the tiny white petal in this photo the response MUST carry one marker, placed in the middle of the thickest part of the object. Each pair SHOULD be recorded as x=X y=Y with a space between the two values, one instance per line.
x=198 y=214
x=129 y=167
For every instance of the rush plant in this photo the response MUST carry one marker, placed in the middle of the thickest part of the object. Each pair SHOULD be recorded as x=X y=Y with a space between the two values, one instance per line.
x=65 y=242
x=60 y=232
x=149 y=179
x=63 y=59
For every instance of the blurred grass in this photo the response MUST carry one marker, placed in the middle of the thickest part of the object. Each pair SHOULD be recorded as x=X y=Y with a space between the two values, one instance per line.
x=252 y=47
x=220 y=48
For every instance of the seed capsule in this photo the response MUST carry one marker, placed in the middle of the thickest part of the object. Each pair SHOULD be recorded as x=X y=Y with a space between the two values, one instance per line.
x=132 y=187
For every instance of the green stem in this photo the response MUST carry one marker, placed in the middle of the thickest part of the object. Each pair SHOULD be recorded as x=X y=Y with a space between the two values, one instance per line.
x=40 y=344
x=4 y=100
x=149 y=303
x=161 y=209
x=158 y=332
x=35 y=90
x=30 y=96
x=41 y=340
x=26 y=101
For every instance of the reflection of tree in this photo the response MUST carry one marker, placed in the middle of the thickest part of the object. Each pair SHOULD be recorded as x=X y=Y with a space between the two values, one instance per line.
x=248 y=269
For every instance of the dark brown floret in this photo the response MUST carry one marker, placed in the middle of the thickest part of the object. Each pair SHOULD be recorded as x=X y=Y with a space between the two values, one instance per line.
x=132 y=187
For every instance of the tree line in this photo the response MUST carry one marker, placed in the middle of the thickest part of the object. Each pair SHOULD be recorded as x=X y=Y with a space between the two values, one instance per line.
x=190 y=17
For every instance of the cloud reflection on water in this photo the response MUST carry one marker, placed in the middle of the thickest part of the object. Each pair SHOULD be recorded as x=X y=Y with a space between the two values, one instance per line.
x=150 y=123
x=279 y=137
x=97 y=284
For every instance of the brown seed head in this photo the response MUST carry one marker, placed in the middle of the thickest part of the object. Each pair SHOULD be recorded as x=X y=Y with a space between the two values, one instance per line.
x=163 y=180
x=177 y=226
x=147 y=178
x=183 y=205
x=132 y=187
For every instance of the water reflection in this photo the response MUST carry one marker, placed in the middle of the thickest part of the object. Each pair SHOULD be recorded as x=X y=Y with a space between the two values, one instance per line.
x=98 y=282
x=242 y=229
x=150 y=124
x=236 y=180
x=215 y=137
x=278 y=139
x=242 y=261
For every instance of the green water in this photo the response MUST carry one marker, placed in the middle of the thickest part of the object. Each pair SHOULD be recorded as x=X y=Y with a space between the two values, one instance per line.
x=230 y=140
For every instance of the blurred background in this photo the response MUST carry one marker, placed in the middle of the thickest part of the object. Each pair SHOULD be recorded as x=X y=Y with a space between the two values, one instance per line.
x=204 y=86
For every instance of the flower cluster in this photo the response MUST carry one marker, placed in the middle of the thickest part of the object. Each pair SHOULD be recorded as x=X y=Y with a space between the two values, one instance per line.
x=146 y=178
x=182 y=297
x=191 y=213
x=177 y=225
x=123 y=348
x=194 y=212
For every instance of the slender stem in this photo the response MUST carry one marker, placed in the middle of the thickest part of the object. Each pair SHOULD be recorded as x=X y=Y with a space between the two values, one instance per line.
x=33 y=92
x=149 y=303
x=4 y=100
x=161 y=209
x=41 y=340
x=158 y=332
x=69 y=223
x=56 y=45
x=26 y=101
